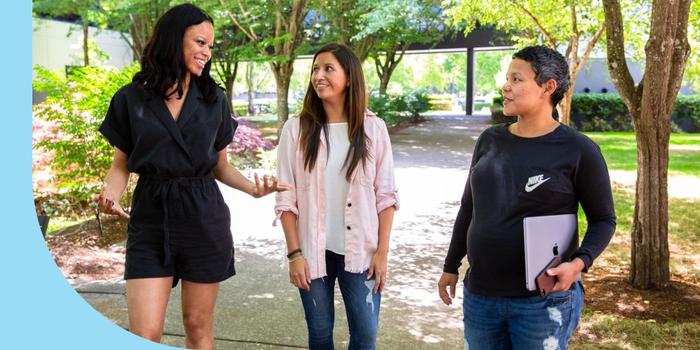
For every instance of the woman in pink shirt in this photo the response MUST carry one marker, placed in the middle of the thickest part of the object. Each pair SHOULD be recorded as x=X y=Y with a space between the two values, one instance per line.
x=337 y=218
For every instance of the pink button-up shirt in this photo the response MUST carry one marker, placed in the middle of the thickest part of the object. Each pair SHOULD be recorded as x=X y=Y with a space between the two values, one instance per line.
x=372 y=189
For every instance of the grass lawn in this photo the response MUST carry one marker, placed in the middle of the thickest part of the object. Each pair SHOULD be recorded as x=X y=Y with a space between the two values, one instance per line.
x=620 y=150
x=633 y=319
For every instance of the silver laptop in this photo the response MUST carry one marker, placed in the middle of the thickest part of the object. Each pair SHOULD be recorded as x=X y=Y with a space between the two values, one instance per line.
x=547 y=237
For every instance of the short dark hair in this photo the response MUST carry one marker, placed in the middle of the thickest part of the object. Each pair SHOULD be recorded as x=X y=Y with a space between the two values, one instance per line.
x=547 y=64
x=162 y=63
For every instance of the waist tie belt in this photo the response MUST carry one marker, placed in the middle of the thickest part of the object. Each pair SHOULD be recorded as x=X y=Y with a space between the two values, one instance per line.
x=169 y=189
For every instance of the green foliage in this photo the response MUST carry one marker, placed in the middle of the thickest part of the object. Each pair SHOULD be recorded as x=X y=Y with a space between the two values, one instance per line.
x=73 y=110
x=607 y=112
x=401 y=108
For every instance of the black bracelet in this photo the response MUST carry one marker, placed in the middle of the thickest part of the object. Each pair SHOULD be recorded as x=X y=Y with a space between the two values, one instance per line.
x=289 y=256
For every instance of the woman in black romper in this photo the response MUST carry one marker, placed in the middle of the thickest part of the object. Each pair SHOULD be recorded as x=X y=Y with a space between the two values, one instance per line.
x=172 y=125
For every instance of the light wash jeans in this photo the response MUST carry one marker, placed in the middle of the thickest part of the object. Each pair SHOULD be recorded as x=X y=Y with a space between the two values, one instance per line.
x=361 y=306
x=522 y=323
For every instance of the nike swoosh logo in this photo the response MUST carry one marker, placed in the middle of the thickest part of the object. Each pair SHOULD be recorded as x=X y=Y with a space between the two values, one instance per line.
x=530 y=188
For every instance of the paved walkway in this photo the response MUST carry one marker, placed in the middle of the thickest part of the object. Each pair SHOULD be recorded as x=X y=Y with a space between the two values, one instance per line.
x=260 y=309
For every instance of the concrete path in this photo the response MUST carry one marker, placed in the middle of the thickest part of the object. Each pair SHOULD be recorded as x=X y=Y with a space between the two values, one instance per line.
x=259 y=308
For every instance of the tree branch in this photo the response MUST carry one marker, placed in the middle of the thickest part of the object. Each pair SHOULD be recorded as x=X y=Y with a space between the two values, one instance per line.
x=550 y=38
x=589 y=47
x=248 y=33
x=617 y=63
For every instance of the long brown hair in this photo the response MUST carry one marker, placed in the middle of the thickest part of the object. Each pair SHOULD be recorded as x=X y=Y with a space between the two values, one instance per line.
x=313 y=119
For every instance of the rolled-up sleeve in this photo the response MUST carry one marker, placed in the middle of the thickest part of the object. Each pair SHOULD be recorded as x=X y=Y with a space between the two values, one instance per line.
x=286 y=160
x=384 y=182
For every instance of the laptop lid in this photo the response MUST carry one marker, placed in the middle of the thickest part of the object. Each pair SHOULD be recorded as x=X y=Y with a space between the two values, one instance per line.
x=547 y=237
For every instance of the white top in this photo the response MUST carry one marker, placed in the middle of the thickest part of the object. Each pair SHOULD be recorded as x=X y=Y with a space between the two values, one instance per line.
x=336 y=187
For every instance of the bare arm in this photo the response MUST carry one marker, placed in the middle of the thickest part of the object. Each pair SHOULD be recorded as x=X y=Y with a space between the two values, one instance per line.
x=114 y=185
x=379 y=265
x=229 y=175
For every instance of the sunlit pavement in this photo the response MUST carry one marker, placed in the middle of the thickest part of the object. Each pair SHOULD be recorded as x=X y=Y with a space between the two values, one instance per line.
x=259 y=308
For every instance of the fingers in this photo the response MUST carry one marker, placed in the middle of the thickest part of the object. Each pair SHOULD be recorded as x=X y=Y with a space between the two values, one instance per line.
x=442 y=292
x=257 y=185
x=281 y=187
x=447 y=280
x=299 y=275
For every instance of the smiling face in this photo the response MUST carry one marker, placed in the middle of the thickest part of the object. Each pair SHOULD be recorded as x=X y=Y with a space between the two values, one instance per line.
x=196 y=46
x=521 y=94
x=328 y=78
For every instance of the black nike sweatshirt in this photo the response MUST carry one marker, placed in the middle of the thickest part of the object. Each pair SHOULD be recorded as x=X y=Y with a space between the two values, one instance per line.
x=511 y=178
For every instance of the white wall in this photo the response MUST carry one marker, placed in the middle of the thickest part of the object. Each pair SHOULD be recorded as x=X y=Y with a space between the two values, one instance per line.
x=57 y=44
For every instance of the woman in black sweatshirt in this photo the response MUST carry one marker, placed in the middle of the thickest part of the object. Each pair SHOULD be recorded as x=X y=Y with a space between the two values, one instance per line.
x=534 y=166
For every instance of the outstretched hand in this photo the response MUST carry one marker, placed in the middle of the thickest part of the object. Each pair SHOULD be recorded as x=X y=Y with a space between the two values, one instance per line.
x=268 y=185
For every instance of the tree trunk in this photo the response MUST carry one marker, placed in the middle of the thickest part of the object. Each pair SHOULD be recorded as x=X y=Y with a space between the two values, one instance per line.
x=282 y=73
x=650 y=104
x=565 y=106
x=650 y=255
x=86 y=49
x=250 y=84
x=229 y=91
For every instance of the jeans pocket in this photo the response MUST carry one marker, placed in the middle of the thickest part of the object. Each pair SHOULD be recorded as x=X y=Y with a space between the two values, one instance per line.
x=559 y=299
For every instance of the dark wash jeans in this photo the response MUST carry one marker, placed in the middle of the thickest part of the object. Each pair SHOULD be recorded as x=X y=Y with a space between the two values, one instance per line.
x=361 y=306
x=522 y=323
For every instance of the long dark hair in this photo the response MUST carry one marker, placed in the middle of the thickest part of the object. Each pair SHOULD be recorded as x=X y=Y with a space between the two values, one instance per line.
x=313 y=119
x=162 y=63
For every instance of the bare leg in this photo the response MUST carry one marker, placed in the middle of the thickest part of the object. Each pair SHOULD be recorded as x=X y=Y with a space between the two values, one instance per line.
x=198 y=301
x=147 y=299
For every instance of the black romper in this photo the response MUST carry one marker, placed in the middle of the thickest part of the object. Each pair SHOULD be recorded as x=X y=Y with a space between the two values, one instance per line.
x=180 y=225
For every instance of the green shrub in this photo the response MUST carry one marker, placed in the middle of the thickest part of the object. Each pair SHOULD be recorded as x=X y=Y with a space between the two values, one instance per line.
x=396 y=109
x=67 y=145
x=606 y=112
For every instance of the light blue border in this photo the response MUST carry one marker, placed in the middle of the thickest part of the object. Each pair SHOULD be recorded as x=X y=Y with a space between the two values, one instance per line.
x=38 y=308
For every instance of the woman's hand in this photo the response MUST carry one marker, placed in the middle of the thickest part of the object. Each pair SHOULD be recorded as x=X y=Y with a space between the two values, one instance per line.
x=447 y=280
x=267 y=186
x=378 y=269
x=107 y=204
x=299 y=274
x=566 y=274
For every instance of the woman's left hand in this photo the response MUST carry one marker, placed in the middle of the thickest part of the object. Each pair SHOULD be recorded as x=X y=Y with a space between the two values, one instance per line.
x=268 y=185
x=378 y=269
x=566 y=274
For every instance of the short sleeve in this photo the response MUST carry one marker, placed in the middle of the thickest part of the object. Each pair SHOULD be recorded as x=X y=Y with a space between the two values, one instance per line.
x=116 y=127
x=226 y=129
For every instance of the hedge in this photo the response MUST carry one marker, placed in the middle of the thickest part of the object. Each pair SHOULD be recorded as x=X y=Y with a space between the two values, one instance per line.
x=607 y=112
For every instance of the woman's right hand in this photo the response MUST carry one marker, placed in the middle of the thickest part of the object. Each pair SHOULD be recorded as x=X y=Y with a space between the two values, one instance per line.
x=447 y=279
x=299 y=274
x=106 y=203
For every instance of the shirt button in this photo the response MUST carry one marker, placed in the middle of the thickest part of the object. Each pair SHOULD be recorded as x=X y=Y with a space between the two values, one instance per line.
x=348 y=227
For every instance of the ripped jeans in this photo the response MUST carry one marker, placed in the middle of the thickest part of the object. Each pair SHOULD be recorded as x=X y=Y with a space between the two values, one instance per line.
x=522 y=323
x=361 y=306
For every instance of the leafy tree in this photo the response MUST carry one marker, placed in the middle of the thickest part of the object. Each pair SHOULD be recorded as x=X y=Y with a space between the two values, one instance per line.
x=555 y=23
x=650 y=102
x=134 y=17
x=277 y=28
x=398 y=24
x=343 y=21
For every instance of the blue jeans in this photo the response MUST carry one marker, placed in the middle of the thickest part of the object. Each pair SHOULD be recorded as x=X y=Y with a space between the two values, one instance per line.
x=522 y=323
x=361 y=306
